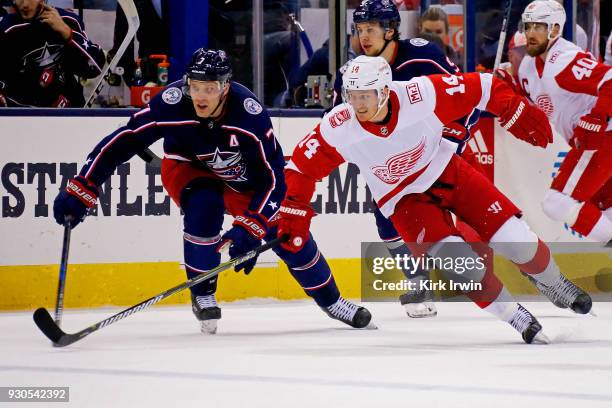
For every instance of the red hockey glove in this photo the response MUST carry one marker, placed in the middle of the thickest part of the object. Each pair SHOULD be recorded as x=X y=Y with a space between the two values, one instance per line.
x=295 y=221
x=526 y=122
x=509 y=79
x=590 y=133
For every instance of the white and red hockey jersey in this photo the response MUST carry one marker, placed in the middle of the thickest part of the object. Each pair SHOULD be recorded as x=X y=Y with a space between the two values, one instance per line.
x=407 y=154
x=565 y=86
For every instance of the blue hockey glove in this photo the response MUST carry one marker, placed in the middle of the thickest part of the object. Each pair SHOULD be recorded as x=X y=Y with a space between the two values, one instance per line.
x=74 y=202
x=245 y=235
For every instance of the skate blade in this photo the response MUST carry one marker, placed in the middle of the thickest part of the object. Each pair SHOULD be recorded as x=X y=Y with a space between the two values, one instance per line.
x=541 y=338
x=209 y=326
x=370 y=326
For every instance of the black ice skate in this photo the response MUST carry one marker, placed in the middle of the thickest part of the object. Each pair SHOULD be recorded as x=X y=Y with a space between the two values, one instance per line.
x=566 y=294
x=545 y=291
x=355 y=316
x=529 y=327
x=207 y=312
x=418 y=304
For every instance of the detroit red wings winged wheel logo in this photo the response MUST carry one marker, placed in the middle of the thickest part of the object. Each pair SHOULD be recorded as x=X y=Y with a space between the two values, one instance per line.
x=545 y=104
x=399 y=165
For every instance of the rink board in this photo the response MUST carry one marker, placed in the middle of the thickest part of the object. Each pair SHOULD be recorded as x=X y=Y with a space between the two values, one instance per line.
x=133 y=247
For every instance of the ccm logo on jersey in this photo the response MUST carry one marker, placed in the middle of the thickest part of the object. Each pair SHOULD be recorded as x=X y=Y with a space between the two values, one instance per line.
x=339 y=118
x=399 y=165
x=414 y=93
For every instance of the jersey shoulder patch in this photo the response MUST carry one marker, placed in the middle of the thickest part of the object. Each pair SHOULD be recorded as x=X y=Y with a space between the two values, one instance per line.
x=414 y=92
x=172 y=95
x=252 y=106
x=418 y=42
x=338 y=116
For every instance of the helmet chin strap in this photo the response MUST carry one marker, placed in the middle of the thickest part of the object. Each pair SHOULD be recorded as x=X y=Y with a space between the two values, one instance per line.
x=384 y=47
x=386 y=43
x=221 y=100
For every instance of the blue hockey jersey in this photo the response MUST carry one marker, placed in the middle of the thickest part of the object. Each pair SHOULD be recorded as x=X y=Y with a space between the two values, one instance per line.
x=238 y=148
x=40 y=68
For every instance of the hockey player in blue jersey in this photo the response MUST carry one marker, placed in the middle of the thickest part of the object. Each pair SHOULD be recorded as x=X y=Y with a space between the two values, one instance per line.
x=375 y=25
x=220 y=153
x=45 y=50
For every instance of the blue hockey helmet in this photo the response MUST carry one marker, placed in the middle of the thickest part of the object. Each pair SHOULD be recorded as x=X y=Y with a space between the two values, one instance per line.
x=383 y=11
x=209 y=65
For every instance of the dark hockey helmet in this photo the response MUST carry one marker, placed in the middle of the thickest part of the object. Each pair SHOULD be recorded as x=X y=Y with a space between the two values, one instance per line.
x=383 y=11
x=209 y=65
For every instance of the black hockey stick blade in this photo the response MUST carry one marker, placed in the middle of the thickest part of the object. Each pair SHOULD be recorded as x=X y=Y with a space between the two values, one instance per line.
x=45 y=322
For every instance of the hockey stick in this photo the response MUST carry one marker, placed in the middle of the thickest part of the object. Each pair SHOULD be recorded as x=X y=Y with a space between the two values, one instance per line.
x=502 y=35
x=303 y=35
x=61 y=285
x=45 y=323
x=131 y=14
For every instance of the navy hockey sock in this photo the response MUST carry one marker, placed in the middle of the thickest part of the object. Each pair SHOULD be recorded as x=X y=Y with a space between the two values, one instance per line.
x=201 y=256
x=312 y=272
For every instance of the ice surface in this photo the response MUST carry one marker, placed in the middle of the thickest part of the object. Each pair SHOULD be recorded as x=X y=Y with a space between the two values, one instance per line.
x=289 y=354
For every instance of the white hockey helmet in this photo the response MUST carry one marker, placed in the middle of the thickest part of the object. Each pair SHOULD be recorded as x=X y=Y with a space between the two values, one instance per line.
x=367 y=73
x=548 y=12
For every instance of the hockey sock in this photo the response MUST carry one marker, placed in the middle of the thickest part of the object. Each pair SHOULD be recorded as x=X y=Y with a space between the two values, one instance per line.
x=515 y=241
x=542 y=266
x=398 y=248
x=201 y=256
x=311 y=270
x=503 y=307
x=593 y=223
x=317 y=280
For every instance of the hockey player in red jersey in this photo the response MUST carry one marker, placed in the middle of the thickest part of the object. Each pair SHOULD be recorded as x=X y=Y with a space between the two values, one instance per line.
x=393 y=132
x=575 y=92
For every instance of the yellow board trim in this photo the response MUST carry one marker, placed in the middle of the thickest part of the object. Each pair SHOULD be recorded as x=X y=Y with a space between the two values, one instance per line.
x=124 y=284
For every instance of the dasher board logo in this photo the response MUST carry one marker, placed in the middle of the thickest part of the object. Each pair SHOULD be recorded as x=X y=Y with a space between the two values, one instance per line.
x=478 y=146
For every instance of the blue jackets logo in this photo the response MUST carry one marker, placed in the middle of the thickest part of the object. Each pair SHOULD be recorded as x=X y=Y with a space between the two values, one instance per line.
x=226 y=165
